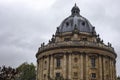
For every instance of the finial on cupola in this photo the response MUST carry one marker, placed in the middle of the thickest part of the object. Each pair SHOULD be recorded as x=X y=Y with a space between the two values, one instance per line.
x=75 y=10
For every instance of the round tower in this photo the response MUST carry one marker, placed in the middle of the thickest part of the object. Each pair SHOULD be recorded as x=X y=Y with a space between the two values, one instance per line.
x=76 y=52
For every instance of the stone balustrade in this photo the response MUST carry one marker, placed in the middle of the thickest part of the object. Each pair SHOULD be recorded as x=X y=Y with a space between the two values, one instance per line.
x=76 y=44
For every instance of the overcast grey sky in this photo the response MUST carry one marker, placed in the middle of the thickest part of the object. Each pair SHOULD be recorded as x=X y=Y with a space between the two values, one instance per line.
x=25 y=24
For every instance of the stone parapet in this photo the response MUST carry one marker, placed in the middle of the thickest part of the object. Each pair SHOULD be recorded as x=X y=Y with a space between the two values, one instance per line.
x=76 y=44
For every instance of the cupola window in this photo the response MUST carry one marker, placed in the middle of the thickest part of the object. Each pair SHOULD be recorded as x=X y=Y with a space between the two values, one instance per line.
x=74 y=12
x=83 y=23
x=67 y=24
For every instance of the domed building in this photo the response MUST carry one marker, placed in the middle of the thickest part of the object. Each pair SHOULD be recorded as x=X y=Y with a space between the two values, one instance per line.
x=76 y=52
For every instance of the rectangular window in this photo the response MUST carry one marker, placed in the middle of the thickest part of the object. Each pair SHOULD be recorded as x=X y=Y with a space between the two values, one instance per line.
x=58 y=62
x=44 y=76
x=75 y=74
x=93 y=75
x=57 y=75
x=93 y=62
x=45 y=65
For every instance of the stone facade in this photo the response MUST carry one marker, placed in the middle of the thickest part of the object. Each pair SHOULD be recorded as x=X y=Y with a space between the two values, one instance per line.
x=75 y=54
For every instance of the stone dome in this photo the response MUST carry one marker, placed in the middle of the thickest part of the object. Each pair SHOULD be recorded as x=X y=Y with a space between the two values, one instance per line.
x=75 y=20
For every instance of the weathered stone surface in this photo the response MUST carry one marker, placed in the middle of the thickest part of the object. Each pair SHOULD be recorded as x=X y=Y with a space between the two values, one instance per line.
x=76 y=55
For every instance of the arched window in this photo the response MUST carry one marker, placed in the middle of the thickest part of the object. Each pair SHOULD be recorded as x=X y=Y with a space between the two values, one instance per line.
x=93 y=62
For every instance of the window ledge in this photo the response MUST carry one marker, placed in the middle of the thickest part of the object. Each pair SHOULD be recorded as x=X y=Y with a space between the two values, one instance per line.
x=93 y=68
x=58 y=67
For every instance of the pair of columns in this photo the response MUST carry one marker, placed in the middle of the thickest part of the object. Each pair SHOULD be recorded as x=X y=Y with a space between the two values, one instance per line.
x=83 y=72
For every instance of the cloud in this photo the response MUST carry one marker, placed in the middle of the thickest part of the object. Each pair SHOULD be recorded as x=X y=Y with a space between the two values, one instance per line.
x=25 y=24
x=35 y=4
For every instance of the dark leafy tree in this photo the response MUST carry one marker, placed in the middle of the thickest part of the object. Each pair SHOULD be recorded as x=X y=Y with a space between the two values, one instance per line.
x=8 y=73
x=26 y=71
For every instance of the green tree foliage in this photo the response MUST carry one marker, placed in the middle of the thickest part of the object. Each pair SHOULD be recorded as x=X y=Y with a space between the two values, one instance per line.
x=118 y=78
x=26 y=71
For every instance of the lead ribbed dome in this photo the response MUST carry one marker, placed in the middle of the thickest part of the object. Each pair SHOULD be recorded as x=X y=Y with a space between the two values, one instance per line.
x=75 y=20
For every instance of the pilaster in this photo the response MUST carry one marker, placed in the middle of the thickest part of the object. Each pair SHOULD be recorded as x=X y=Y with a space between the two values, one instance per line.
x=111 y=70
x=81 y=67
x=87 y=68
x=64 y=66
x=38 y=68
x=47 y=66
x=42 y=76
x=104 y=68
x=51 y=66
x=100 y=68
x=70 y=67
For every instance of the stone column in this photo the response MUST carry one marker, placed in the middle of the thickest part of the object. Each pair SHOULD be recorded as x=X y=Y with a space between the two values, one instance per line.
x=47 y=66
x=87 y=68
x=67 y=66
x=79 y=64
x=104 y=68
x=81 y=67
x=100 y=68
x=42 y=76
x=110 y=70
x=84 y=67
x=64 y=66
x=40 y=71
x=114 y=70
x=70 y=67
x=51 y=67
